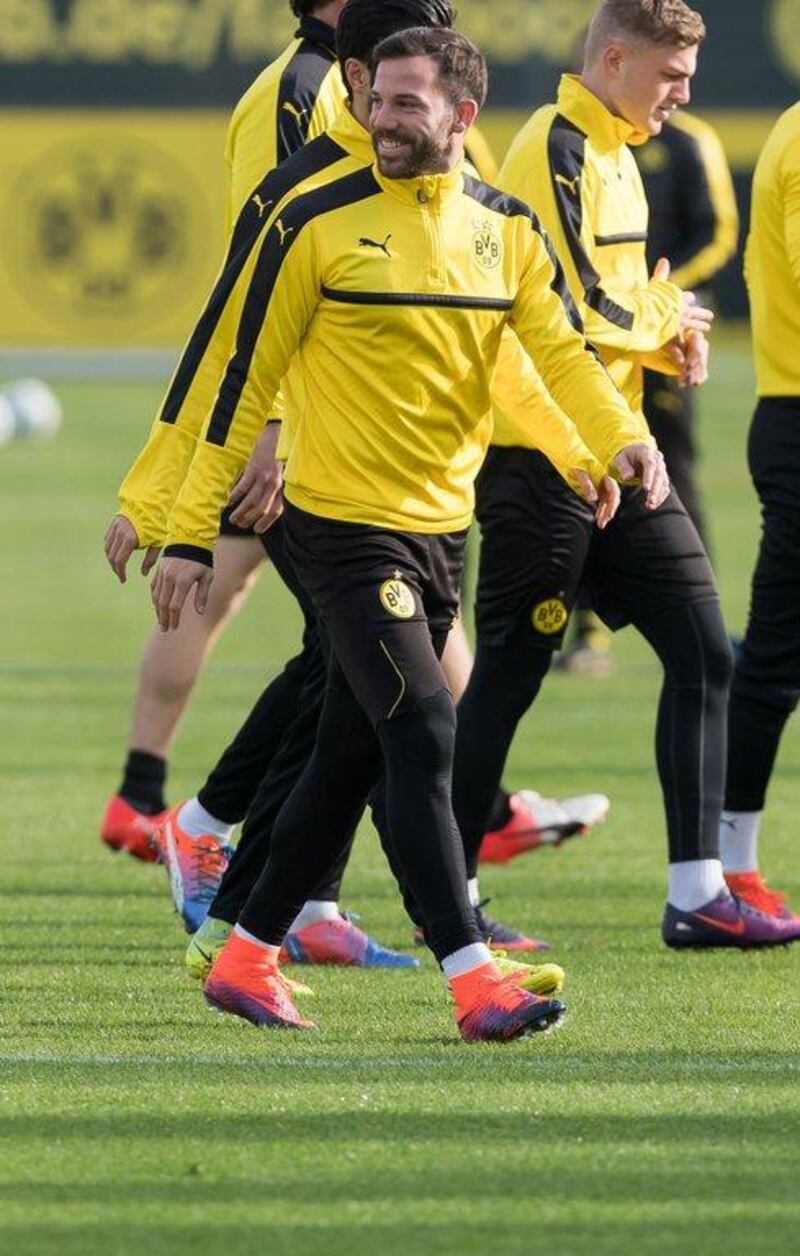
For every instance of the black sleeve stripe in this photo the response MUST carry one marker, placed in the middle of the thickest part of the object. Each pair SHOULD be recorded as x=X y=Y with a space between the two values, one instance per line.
x=274 y=250
x=565 y=150
x=631 y=237
x=309 y=161
x=300 y=85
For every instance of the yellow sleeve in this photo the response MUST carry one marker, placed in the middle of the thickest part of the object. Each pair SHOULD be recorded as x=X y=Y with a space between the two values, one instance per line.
x=278 y=308
x=521 y=402
x=633 y=323
x=546 y=321
x=791 y=209
x=150 y=487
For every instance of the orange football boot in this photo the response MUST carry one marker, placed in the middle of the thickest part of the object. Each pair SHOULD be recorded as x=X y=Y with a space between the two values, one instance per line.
x=245 y=981
x=125 y=828
x=493 y=1008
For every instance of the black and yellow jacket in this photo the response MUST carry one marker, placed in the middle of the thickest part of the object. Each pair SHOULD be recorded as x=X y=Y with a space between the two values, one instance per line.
x=572 y=163
x=694 y=218
x=295 y=99
x=394 y=295
x=149 y=489
x=772 y=260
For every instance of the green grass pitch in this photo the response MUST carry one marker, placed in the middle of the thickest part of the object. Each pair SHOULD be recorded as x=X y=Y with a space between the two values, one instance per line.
x=664 y=1116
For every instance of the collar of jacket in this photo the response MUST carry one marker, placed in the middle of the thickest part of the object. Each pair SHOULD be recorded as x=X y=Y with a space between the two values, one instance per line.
x=606 y=131
x=351 y=136
x=438 y=190
x=317 y=32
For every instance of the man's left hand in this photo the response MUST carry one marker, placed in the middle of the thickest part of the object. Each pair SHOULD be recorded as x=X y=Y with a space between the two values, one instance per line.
x=173 y=582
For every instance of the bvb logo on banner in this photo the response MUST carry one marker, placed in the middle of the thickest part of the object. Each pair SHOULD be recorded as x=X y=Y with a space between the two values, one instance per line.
x=102 y=232
x=784 y=32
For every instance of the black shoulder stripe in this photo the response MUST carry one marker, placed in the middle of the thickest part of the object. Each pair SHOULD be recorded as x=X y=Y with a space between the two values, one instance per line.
x=498 y=202
x=309 y=161
x=300 y=85
x=275 y=249
x=566 y=150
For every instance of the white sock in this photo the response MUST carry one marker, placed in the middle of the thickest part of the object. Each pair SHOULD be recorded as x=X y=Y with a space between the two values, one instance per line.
x=467 y=958
x=270 y=951
x=474 y=892
x=197 y=822
x=738 y=840
x=312 y=911
x=695 y=883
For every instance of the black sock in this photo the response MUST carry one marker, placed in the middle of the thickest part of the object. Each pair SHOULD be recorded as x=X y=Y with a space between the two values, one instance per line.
x=143 y=782
x=501 y=811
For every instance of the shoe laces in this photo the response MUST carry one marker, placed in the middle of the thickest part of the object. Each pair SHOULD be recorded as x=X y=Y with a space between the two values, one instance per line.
x=208 y=864
x=763 y=897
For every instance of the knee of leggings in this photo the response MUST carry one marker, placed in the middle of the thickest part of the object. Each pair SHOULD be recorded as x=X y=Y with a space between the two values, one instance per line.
x=513 y=677
x=703 y=659
x=428 y=733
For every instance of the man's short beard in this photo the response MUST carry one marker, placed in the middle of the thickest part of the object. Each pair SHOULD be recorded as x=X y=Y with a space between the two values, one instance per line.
x=426 y=157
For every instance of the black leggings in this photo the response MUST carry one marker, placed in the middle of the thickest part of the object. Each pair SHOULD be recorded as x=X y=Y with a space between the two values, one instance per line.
x=415 y=750
x=766 y=685
x=693 y=648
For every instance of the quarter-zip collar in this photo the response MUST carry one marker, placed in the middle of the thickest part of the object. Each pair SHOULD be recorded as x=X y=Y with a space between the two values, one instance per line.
x=350 y=135
x=606 y=131
x=434 y=190
x=317 y=32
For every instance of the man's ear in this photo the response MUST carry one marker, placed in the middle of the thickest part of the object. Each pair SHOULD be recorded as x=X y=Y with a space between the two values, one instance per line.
x=466 y=113
x=357 y=74
x=613 y=58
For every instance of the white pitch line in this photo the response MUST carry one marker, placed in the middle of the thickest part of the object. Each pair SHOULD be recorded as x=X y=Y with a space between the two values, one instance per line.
x=460 y=1060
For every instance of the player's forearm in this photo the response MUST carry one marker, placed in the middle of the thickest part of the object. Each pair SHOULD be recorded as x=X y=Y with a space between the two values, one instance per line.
x=633 y=323
x=148 y=491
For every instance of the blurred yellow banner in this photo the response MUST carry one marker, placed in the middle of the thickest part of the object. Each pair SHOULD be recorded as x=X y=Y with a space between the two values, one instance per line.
x=112 y=224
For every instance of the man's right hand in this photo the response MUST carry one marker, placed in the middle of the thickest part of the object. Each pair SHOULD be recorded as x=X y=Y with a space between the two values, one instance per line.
x=646 y=465
x=120 y=542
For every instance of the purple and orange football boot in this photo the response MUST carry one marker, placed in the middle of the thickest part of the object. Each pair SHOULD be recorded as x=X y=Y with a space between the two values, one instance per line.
x=340 y=942
x=245 y=982
x=125 y=828
x=492 y=1008
x=500 y=937
x=195 y=866
x=750 y=887
x=725 y=922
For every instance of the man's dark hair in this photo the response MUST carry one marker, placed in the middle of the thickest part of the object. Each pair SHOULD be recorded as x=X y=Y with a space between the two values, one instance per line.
x=304 y=8
x=462 y=66
x=364 y=23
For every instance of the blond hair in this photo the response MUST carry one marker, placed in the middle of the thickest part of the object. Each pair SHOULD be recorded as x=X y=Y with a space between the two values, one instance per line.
x=666 y=22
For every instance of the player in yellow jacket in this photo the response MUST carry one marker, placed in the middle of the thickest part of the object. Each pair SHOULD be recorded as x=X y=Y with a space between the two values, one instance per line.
x=572 y=161
x=766 y=684
x=292 y=101
x=394 y=285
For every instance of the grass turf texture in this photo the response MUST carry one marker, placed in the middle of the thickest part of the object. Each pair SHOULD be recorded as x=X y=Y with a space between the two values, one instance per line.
x=665 y=1113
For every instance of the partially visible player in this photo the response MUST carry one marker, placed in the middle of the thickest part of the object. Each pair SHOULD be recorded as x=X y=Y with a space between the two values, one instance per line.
x=766 y=684
x=572 y=162
x=292 y=101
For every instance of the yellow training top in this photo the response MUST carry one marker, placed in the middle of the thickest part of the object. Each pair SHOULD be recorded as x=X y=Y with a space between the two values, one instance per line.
x=572 y=163
x=394 y=294
x=772 y=261
x=295 y=99
x=149 y=489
